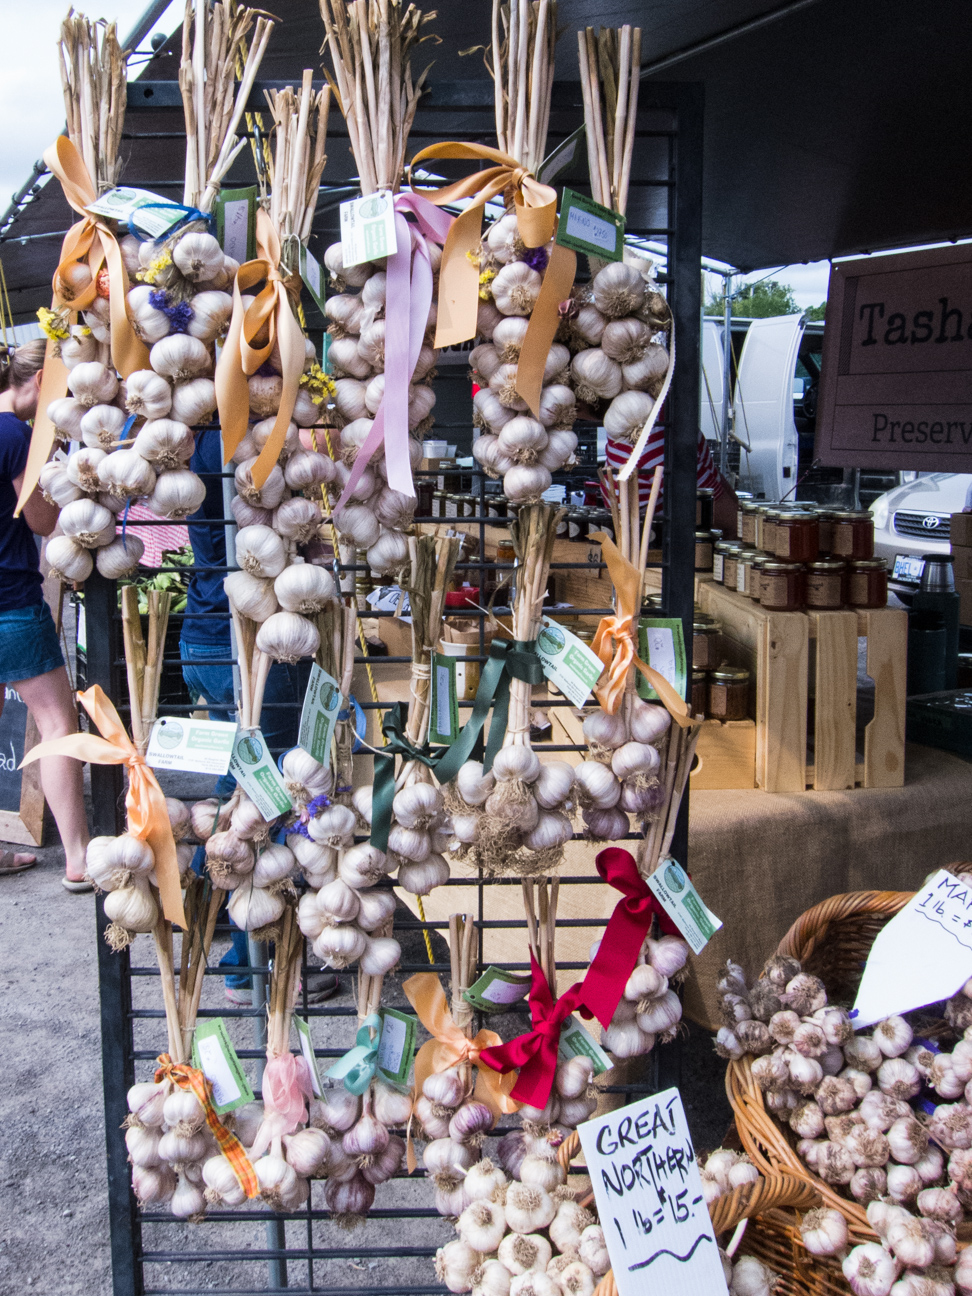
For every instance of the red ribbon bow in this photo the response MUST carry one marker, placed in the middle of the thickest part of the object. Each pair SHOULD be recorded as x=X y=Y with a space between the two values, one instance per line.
x=535 y=1053
x=624 y=935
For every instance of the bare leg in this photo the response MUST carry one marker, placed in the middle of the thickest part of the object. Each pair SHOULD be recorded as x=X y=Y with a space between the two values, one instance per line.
x=51 y=702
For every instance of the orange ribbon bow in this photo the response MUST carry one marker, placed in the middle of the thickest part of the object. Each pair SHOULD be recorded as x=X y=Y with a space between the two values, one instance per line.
x=148 y=819
x=614 y=642
x=90 y=238
x=187 y=1077
x=536 y=217
x=242 y=356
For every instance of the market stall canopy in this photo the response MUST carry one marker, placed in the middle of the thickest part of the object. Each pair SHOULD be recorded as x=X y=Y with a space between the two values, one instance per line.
x=829 y=128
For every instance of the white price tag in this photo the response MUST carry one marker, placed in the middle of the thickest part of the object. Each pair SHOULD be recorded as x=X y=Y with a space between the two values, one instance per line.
x=307 y=1048
x=368 y=228
x=577 y=1041
x=318 y=716
x=253 y=768
x=922 y=955
x=203 y=746
x=214 y=1055
x=236 y=229
x=678 y=897
x=649 y=1199
x=126 y=203
x=567 y=661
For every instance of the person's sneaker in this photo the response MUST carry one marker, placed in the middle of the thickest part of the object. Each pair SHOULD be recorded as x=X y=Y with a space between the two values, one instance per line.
x=321 y=986
x=240 y=996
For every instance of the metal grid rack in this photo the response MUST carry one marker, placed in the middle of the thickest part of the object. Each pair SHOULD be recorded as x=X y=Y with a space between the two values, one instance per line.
x=303 y=1252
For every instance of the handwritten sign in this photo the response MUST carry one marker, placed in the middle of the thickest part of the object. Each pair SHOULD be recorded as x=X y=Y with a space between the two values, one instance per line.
x=649 y=1199
x=923 y=954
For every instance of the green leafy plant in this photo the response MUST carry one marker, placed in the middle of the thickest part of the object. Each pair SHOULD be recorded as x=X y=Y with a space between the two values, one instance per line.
x=176 y=582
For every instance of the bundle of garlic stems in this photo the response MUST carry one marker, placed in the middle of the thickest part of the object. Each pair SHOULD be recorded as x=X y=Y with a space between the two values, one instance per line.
x=300 y=137
x=284 y=981
x=338 y=626
x=542 y=931
x=94 y=81
x=462 y=965
x=524 y=36
x=371 y=44
x=677 y=755
x=213 y=43
x=610 y=69
x=632 y=534
x=431 y=563
x=533 y=533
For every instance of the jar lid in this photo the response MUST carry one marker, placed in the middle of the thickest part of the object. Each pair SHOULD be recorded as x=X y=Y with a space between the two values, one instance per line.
x=869 y=564
x=705 y=536
x=852 y=515
x=826 y=564
x=716 y=533
x=799 y=515
x=705 y=492
x=743 y=496
x=731 y=675
x=733 y=547
x=782 y=566
x=723 y=546
x=698 y=676
x=749 y=506
x=705 y=627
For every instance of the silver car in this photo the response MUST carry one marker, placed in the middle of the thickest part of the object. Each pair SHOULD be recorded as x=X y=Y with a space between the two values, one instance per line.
x=915 y=519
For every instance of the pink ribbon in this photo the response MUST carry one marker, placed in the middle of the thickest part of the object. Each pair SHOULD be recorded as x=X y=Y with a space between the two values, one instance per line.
x=408 y=297
x=287 y=1089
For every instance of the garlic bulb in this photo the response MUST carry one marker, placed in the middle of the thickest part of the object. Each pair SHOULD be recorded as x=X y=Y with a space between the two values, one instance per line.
x=211 y=311
x=78 y=348
x=523 y=439
x=381 y=955
x=869 y=1269
x=120 y=558
x=528 y=1208
x=420 y=877
x=595 y=375
x=132 y=908
x=597 y=783
x=88 y=522
x=92 y=383
x=147 y=394
x=618 y=290
x=524 y=484
x=648 y=372
x=267 y=496
x=306 y=469
x=102 y=425
x=353 y=276
x=150 y=324
x=375 y=908
x=260 y=551
x=635 y=758
x=344 y=359
x=627 y=415
x=340 y=946
x=516 y=288
x=484 y=360
x=70 y=560
x=560 y=449
x=303 y=587
x=272 y=865
x=198 y=256
x=252 y=907
x=176 y=494
x=455 y=1264
x=66 y=415
x=126 y=474
x=287 y=637
x=259 y=435
x=393 y=509
x=625 y=340
x=333 y=827
x=193 y=401
x=503 y=239
x=358 y=524
x=371 y=344
x=349 y=399
x=473 y=785
x=482 y=1225
x=220 y=1179
x=82 y=469
x=588 y=325
x=165 y=443
x=179 y=357
x=503 y=386
x=489 y=411
x=251 y=596
x=248 y=515
x=648 y=722
x=558 y=407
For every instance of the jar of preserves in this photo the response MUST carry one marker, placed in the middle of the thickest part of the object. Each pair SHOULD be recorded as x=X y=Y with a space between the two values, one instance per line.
x=853 y=535
x=496 y=506
x=781 y=587
x=424 y=491
x=705 y=644
x=719 y=551
x=770 y=517
x=703 y=551
x=744 y=571
x=868 y=583
x=825 y=585
x=703 y=508
x=742 y=497
x=747 y=529
x=797 y=536
x=825 y=527
x=700 y=692
x=577 y=523
x=729 y=693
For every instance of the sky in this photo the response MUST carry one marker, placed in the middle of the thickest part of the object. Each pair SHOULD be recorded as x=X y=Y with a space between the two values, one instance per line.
x=808 y=282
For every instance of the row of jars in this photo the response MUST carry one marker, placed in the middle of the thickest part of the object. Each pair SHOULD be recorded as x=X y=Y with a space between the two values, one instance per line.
x=722 y=693
x=803 y=532
x=824 y=585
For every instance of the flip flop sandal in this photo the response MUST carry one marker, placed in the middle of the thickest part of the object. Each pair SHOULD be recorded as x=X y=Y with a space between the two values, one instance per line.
x=8 y=864
x=76 y=887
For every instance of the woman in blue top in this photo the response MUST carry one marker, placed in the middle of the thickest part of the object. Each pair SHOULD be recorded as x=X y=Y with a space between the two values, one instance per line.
x=30 y=655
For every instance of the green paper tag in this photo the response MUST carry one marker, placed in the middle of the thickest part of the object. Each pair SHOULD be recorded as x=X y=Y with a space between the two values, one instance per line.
x=588 y=227
x=496 y=989
x=236 y=222
x=396 y=1045
x=567 y=661
x=575 y=1041
x=125 y=203
x=678 y=897
x=203 y=746
x=318 y=716
x=368 y=228
x=560 y=157
x=313 y=277
x=307 y=1048
x=661 y=644
x=253 y=768
x=444 y=707
x=214 y=1055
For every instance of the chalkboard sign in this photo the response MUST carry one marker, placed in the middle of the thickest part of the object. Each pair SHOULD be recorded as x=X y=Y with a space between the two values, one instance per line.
x=21 y=798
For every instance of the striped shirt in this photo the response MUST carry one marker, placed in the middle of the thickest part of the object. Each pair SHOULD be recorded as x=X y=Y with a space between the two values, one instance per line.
x=617 y=454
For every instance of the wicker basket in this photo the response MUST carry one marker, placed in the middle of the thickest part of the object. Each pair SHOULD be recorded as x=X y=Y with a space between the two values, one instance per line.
x=832 y=940
x=769 y=1194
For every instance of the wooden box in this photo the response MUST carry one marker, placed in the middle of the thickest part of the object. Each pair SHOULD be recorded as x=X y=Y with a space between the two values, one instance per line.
x=776 y=647
x=726 y=754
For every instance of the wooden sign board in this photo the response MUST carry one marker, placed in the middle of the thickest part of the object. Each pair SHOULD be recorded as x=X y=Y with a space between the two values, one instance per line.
x=21 y=798
x=896 y=381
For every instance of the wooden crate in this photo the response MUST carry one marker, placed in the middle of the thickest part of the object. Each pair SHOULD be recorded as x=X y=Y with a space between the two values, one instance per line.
x=726 y=753
x=776 y=647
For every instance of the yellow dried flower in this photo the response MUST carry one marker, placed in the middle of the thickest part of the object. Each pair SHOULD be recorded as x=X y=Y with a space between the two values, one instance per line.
x=155 y=267
x=54 y=324
x=317 y=384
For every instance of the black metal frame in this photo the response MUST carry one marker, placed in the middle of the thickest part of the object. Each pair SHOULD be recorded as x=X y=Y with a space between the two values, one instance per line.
x=668 y=111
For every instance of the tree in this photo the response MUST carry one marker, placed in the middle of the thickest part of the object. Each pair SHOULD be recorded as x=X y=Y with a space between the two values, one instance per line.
x=757 y=300
x=816 y=312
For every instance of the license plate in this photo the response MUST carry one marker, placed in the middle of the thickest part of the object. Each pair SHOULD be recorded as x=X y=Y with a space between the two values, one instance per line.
x=908 y=568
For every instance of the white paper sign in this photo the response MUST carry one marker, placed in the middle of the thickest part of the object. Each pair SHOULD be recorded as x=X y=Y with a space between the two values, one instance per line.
x=204 y=746
x=368 y=228
x=254 y=769
x=567 y=661
x=673 y=888
x=318 y=716
x=217 y=1070
x=124 y=203
x=649 y=1199
x=236 y=228
x=922 y=955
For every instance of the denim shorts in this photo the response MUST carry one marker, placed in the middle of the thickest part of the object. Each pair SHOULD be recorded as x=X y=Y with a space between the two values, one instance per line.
x=28 y=643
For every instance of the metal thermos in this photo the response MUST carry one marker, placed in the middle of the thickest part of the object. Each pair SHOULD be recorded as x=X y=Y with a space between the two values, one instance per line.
x=937 y=593
x=926 y=652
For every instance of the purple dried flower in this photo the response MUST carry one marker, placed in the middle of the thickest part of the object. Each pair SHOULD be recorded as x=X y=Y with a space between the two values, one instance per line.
x=536 y=258
x=179 y=316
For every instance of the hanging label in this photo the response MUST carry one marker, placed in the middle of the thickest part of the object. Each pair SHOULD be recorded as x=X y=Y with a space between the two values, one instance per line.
x=560 y=157
x=253 y=768
x=202 y=746
x=313 y=277
x=307 y=1048
x=673 y=888
x=496 y=989
x=444 y=704
x=396 y=1046
x=214 y=1055
x=126 y=204
x=923 y=955
x=236 y=222
x=577 y=1041
x=318 y=716
x=649 y=1199
x=661 y=645
x=368 y=228
x=586 y=226
x=567 y=661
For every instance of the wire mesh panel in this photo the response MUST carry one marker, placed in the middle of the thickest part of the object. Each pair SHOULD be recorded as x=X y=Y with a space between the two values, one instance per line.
x=255 y=1249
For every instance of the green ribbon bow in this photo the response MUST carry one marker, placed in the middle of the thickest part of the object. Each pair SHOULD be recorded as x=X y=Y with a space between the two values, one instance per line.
x=396 y=744
x=357 y=1067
